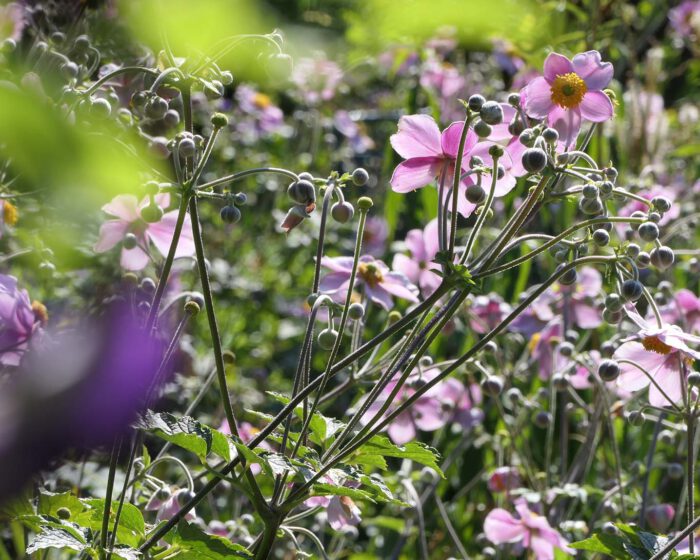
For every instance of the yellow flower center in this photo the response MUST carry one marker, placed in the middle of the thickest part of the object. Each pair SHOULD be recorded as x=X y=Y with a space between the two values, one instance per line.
x=9 y=213
x=262 y=101
x=655 y=344
x=568 y=90
x=370 y=274
x=40 y=312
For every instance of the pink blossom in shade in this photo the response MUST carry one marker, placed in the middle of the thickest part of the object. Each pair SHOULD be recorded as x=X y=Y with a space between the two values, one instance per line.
x=659 y=517
x=569 y=91
x=506 y=57
x=358 y=140
x=375 y=236
x=380 y=283
x=543 y=348
x=685 y=18
x=683 y=310
x=578 y=299
x=317 y=79
x=459 y=402
x=426 y=414
x=20 y=321
x=528 y=530
x=430 y=155
x=127 y=211
x=247 y=432
x=660 y=351
x=447 y=83
x=535 y=317
x=486 y=312
x=169 y=506
x=504 y=479
x=341 y=511
x=419 y=268
x=657 y=190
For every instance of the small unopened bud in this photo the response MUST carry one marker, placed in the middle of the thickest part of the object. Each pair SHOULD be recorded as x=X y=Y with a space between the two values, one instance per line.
x=648 y=231
x=608 y=370
x=534 y=160
x=632 y=290
x=228 y=356
x=192 y=308
x=482 y=129
x=636 y=418
x=327 y=338
x=550 y=135
x=342 y=212
x=230 y=214
x=475 y=194
x=302 y=192
x=152 y=213
x=662 y=257
x=356 y=311
x=476 y=102
x=661 y=203
x=156 y=107
x=219 y=120
x=130 y=241
x=542 y=419
x=492 y=385
x=694 y=379
x=364 y=203
x=491 y=112
x=393 y=317
x=360 y=177
x=514 y=99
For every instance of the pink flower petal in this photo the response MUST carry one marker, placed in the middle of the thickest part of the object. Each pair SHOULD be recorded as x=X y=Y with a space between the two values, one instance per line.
x=596 y=73
x=123 y=206
x=414 y=242
x=134 y=259
x=407 y=266
x=335 y=281
x=538 y=98
x=556 y=65
x=451 y=137
x=596 y=106
x=161 y=234
x=567 y=122
x=401 y=430
x=338 y=264
x=414 y=173
x=501 y=527
x=111 y=233
x=418 y=136
x=587 y=316
x=379 y=296
x=668 y=377
x=398 y=285
x=430 y=239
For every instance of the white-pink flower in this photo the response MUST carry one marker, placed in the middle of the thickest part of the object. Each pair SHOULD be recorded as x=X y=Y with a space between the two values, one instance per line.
x=419 y=268
x=127 y=211
x=529 y=530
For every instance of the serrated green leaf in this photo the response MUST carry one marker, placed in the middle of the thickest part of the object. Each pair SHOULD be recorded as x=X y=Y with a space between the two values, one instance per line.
x=49 y=503
x=57 y=535
x=381 y=446
x=131 y=524
x=603 y=543
x=323 y=489
x=192 y=543
x=321 y=428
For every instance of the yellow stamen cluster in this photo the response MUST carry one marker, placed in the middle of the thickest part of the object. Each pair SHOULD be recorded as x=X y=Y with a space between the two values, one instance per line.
x=262 y=101
x=40 y=312
x=9 y=213
x=370 y=274
x=655 y=344
x=568 y=90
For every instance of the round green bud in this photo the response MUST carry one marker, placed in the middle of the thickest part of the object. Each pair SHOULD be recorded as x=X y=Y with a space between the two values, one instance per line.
x=63 y=513
x=365 y=203
x=219 y=120
x=360 y=177
x=394 y=316
x=192 y=308
x=152 y=213
x=356 y=311
x=327 y=338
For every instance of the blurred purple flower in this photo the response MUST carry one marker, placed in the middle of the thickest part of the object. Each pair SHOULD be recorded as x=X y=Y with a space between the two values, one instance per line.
x=89 y=386
x=169 y=505
x=486 y=312
x=341 y=511
x=317 y=78
x=659 y=517
x=661 y=351
x=20 y=321
x=568 y=91
x=506 y=57
x=446 y=82
x=683 y=310
x=528 y=530
x=504 y=479
x=543 y=348
x=127 y=210
x=578 y=299
x=380 y=283
x=419 y=268
x=359 y=141
x=267 y=117
x=375 y=236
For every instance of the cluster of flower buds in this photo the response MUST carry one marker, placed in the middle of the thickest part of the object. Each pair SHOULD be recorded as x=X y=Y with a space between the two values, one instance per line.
x=490 y=113
x=230 y=214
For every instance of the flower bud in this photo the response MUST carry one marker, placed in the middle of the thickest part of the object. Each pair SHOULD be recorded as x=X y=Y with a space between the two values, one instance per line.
x=356 y=311
x=219 y=120
x=342 y=212
x=607 y=349
x=147 y=286
x=632 y=290
x=527 y=137
x=542 y=419
x=560 y=381
x=475 y=194
x=694 y=379
x=608 y=370
x=492 y=385
x=514 y=99
x=130 y=241
x=659 y=517
x=476 y=102
x=675 y=471
x=496 y=151
x=591 y=206
x=491 y=112
x=394 y=316
x=613 y=302
x=662 y=257
x=643 y=260
x=632 y=250
x=648 y=231
x=230 y=214
x=534 y=160
x=364 y=203
x=569 y=277
x=151 y=213
x=601 y=237
x=360 y=177
x=550 y=135
x=590 y=190
x=636 y=418
x=661 y=203
x=327 y=338
x=482 y=129
x=186 y=148
x=612 y=317
x=191 y=308
x=239 y=199
x=156 y=107
x=302 y=192
x=100 y=108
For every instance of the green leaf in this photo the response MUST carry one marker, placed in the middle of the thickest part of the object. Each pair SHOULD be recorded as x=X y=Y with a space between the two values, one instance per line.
x=603 y=543
x=49 y=503
x=187 y=433
x=415 y=451
x=131 y=524
x=58 y=535
x=323 y=489
x=321 y=427
x=126 y=552
x=192 y=543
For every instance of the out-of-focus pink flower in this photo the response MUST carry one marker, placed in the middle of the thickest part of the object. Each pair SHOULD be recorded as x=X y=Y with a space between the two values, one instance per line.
x=375 y=236
x=685 y=19
x=528 y=530
x=506 y=57
x=657 y=190
x=504 y=479
x=659 y=517
x=247 y=432
x=267 y=116
x=20 y=321
x=535 y=317
x=170 y=503
x=341 y=511
x=419 y=268
x=317 y=78
x=447 y=83
x=441 y=404
x=683 y=310
x=486 y=312
x=568 y=91
x=543 y=348
x=429 y=154
x=380 y=283
x=660 y=351
x=12 y=21
x=127 y=211
x=578 y=298
x=399 y=61
x=358 y=140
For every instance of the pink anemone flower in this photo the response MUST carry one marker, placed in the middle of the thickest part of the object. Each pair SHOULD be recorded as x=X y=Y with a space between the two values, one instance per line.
x=419 y=267
x=662 y=352
x=429 y=155
x=568 y=91
x=380 y=283
x=20 y=321
x=127 y=211
x=528 y=531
